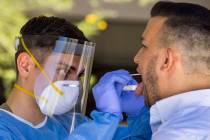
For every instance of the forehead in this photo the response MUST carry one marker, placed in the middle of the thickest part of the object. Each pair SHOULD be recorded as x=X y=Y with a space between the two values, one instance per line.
x=153 y=29
x=65 y=58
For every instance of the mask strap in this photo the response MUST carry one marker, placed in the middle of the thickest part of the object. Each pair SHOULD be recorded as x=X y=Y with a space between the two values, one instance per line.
x=30 y=93
x=41 y=69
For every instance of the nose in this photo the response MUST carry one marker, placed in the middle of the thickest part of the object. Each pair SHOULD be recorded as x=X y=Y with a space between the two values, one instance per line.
x=74 y=77
x=136 y=58
x=137 y=61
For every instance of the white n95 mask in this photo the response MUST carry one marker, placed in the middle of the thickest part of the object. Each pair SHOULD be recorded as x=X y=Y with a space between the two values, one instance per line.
x=52 y=103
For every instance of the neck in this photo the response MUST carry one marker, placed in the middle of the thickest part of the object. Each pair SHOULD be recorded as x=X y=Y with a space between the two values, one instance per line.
x=25 y=106
x=186 y=84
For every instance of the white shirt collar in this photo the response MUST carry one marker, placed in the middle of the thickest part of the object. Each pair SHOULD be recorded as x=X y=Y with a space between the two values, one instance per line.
x=164 y=109
x=41 y=124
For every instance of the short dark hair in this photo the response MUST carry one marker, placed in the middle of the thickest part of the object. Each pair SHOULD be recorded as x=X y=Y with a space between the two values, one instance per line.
x=47 y=29
x=55 y=26
x=189 y=10
x=188 y=24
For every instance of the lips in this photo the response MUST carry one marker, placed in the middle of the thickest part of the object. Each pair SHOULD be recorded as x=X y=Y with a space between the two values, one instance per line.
x=139 y=89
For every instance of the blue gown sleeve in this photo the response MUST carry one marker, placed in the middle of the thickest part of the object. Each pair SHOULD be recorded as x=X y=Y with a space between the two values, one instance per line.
x=66 y=119
x=138 y=128
x=102 y=127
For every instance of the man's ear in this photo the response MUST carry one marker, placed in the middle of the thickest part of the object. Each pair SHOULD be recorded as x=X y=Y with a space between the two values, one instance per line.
x=24 y=64
x=168 y=60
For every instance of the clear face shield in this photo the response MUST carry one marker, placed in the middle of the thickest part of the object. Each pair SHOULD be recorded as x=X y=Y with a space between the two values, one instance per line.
x=64 y=69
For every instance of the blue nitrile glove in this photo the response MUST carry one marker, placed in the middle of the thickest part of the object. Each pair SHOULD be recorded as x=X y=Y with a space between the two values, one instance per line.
x=106 y=92
x=130 y=103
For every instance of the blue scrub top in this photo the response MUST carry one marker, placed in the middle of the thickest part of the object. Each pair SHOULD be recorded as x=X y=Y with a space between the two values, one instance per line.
x=138 y=127
x=13 y=127
x=104 y=126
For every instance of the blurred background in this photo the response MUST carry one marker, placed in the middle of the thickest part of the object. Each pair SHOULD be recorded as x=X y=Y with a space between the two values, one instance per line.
x=115 y=25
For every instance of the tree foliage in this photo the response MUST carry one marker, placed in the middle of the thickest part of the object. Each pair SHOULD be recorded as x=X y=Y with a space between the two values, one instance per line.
x=14 y=14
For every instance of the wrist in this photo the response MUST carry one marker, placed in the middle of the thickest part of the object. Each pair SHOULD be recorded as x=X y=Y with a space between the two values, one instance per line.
x=113 y=112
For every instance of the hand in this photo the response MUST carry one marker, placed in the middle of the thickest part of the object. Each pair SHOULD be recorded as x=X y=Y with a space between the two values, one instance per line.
x=132 y=101
x=107 y=91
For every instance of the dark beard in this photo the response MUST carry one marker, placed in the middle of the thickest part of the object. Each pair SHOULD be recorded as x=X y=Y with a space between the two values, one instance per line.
x=151 y=88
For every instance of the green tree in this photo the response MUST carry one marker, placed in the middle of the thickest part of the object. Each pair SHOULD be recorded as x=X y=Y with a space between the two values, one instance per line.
x=14 y=14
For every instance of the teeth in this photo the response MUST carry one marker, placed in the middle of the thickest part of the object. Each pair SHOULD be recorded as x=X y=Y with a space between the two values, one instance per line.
x=129 y=88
